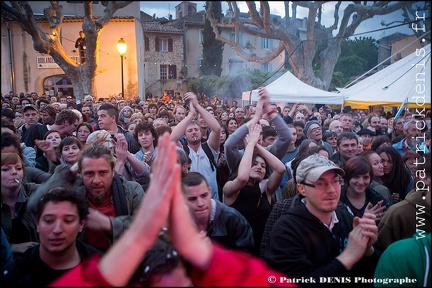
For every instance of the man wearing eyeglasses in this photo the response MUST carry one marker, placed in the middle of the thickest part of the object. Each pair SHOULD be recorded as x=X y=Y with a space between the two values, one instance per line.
x=313 y=131
x=318 y=241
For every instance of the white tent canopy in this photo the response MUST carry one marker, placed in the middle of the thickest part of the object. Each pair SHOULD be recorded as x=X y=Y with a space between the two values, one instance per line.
x=289 y=89
x=408 y=78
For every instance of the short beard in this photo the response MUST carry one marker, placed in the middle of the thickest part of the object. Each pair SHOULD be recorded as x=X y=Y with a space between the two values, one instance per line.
x=194 y=142
x=97 y=199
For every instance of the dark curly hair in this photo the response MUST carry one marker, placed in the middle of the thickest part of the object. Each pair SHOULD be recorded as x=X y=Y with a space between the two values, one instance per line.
x=60 y=194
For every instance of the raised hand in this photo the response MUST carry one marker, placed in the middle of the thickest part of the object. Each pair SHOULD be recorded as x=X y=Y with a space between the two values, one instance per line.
x=151 y=217
x=121 y=146
x=192 y=110
x=377 y=209
x=44 y=145
x=255 y=131
x=186 y=238
x=264 y=97
x=369 y=228
x=192 y=97
x=356 y=246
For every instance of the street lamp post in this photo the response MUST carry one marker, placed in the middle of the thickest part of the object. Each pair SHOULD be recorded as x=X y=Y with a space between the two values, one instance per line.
x=121 y=48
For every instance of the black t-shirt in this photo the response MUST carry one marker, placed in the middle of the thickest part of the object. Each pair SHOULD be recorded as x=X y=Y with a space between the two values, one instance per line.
x=29 y=270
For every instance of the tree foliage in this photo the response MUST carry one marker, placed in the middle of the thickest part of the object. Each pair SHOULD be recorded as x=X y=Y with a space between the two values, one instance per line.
x=48 y=41
x=363 y=47
x=358 y=56
x=212 y=50
x=303 y=51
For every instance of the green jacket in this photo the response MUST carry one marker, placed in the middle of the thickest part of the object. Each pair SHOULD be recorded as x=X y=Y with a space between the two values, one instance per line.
x=407 y=260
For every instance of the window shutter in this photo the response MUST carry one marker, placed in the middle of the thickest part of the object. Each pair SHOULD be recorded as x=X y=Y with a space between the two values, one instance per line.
x=170 y=45
x=262 y=43
x=146 y=44
x=270 y=44
x=173 y=72
x=157 y=44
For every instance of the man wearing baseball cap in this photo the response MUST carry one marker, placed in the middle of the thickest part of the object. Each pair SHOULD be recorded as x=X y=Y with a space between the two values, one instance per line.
x=317 y=239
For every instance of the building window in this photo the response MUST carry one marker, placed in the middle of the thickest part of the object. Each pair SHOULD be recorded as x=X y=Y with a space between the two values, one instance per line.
x=235 y=66
x=163 y=44
x=172 y=72
x=201 y=36
x=146 y=43
x=58 y=83
x=265 y=67
x=163 y=71
x=265 y=43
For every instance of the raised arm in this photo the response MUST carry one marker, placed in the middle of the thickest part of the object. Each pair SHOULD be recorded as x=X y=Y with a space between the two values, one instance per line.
x=140 y=169
x=213 y=124
x=181 y=127
x=277 y=166
x=235 y=141
x=232 y=188
x=121 y=261
x=280 y=147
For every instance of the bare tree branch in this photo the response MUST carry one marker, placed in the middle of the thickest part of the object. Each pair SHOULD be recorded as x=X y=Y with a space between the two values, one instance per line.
x=291 y=33
x=253 y=13
x=82 y=75
x=336 y=16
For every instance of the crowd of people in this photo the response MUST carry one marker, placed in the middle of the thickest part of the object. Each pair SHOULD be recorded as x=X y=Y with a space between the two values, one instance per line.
x=191 y=190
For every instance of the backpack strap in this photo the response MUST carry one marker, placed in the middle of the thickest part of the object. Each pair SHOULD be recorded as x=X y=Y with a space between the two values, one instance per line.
x=209 y=154
x=207 y=151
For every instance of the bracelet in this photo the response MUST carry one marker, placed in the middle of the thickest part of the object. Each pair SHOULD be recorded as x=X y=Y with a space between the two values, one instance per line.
x=271 y=112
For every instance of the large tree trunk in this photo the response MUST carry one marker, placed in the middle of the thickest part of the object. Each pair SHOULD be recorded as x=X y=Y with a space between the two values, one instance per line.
x=301 y=50
x=83 y=75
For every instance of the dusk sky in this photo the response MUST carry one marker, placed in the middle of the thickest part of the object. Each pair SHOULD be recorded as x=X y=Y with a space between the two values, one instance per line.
x=162 y=9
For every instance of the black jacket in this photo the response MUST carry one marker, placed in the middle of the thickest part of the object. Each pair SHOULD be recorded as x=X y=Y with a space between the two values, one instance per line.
x=372 y=196
x=230 y=228
x=300 y=245
x=29 y=270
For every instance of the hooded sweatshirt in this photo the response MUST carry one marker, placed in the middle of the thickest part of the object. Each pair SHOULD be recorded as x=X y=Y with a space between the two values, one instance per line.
x=300 y=245
x=403 y=219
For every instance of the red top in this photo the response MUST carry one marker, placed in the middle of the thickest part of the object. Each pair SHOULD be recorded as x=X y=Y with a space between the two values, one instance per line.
x=101 y=239
x=227 y=268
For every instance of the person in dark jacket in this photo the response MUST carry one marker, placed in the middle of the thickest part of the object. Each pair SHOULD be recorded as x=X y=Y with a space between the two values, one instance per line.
x=112 y=199
x=60 y=216
x=318 y=239
x=357 y=193
x=221 y=223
